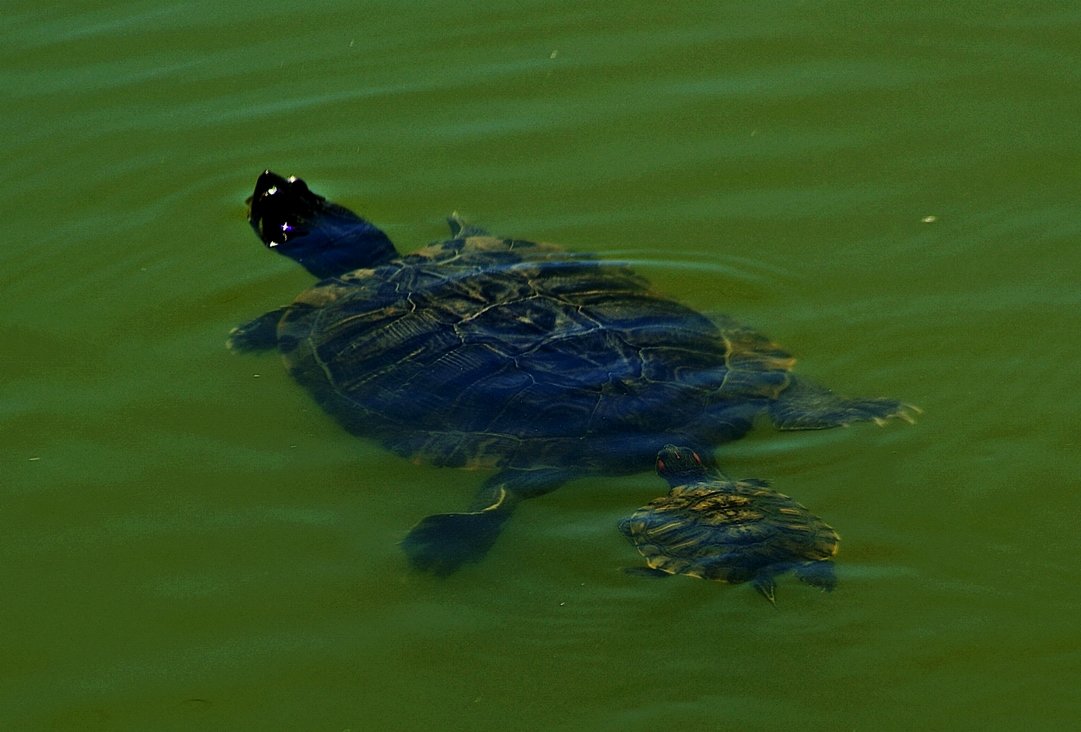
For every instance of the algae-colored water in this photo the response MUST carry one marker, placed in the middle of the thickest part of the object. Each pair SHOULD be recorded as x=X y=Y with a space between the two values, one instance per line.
x=891 y=191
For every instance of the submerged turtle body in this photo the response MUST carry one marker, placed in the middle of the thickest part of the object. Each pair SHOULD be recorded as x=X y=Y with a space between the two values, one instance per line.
x=488 y=352
x=730 y=531
x=511 y=355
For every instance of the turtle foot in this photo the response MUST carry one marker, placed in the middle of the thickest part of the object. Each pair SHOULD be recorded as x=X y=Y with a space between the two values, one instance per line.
x=259 y=335
x=818 y=574
x=441 y=544
x=807 y=406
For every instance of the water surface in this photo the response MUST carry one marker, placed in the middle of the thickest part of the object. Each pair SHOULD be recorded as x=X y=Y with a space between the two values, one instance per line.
x=187 y=542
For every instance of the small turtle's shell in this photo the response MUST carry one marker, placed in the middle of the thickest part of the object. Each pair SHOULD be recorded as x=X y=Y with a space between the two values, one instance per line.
x=729 y=531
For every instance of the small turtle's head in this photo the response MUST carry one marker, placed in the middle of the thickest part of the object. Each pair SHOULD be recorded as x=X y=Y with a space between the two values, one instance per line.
x=680 y=465
x=326 y=238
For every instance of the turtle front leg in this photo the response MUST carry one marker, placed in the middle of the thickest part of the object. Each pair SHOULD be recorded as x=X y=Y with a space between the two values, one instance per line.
x=260 y=334
x=442 y=543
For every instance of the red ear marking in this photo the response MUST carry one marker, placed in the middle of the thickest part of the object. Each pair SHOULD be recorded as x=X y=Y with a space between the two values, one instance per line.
x=697 y=460
x=660 y=465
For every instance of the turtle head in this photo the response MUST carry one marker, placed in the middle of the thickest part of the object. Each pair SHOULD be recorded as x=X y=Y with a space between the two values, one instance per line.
x=327 y=239
x=680 y=465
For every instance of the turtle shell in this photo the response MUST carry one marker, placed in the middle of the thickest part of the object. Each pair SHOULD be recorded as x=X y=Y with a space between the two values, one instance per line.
x=491 y=352
x=730 y=531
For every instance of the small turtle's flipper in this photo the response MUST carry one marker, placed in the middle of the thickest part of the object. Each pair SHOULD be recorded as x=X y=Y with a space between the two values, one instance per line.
x=260 y=334
x=818 y=574
x=461 y=229
x=442 y=543
x=807 y=406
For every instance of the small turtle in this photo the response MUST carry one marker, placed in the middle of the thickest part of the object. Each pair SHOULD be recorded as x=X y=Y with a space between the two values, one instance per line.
x=730 y=531
x=535 y=363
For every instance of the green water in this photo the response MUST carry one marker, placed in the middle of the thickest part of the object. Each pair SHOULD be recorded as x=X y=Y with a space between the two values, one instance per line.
x=890 y=190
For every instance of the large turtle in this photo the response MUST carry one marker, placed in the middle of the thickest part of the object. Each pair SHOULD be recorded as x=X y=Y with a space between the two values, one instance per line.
x=510 y=355
x=730 y=531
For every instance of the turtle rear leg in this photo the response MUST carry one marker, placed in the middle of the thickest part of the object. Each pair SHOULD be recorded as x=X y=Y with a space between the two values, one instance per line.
x=442 y=543
x=260 y=334
x=807 y=406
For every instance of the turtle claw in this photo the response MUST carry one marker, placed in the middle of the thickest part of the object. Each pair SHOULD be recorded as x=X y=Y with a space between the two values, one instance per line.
x=441 y=544
x=903 y=411
x=908 y=412
x=649 y=572
x=766 y=587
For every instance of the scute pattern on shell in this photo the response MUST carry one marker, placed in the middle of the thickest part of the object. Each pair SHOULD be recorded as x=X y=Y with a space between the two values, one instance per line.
x=728 y=531
x=497 y=352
